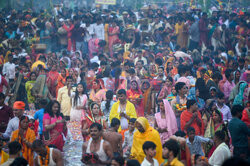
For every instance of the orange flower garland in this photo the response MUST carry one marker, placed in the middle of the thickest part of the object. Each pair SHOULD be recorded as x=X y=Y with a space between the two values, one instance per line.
x=46 y=163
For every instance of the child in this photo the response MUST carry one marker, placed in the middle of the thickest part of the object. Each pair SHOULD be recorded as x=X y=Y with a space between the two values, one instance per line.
x=194 y=142
x=149 y=149
x=128 y=141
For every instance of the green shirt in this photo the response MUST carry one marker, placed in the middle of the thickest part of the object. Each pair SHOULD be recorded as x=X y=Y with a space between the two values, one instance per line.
x=239 y=133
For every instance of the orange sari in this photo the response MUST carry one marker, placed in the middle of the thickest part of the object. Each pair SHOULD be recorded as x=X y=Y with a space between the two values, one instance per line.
x=60 y=82
x=186 y=116
x=26 y=151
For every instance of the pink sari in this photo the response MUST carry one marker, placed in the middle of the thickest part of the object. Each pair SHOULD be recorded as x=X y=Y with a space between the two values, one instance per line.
x=113 y=39
x=98 y=96
x=55 y=134
x=169 y=122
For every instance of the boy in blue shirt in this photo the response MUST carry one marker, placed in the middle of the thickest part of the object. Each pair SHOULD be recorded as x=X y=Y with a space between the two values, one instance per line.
x=39 y=115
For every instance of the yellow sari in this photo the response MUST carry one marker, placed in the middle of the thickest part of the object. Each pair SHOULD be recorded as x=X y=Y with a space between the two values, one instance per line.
x=150 y=134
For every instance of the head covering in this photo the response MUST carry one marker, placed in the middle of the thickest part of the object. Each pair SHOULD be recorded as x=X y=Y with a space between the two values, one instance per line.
x=170 y=118
x=238 y=100
x=150 y=134
x=19 y=105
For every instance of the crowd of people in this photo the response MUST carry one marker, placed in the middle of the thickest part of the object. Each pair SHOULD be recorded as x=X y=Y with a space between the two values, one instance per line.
x=144 y=87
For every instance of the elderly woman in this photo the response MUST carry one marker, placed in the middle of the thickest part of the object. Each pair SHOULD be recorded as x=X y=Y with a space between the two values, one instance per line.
x=145 y=133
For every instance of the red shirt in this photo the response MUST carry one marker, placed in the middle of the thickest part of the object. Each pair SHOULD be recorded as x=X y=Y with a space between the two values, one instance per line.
x=3 y=83
x=6 y=114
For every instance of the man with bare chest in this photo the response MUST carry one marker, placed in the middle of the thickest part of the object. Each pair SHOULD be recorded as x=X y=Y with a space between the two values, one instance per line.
x=113 y=137
x=96 y=151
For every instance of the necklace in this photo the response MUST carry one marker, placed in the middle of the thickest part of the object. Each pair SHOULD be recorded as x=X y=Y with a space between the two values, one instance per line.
x=44 y=161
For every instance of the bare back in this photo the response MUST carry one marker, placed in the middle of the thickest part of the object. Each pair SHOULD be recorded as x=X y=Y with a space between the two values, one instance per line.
x=115 y=139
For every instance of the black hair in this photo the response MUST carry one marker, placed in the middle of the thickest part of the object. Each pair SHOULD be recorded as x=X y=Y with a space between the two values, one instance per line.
x=196 y=156
x=147 y=145
x=220 y=95
x=179 y=86
x=69 y=77
x=48 y=108
x=109 y=98
x=170 y=79
x=23 y=118
x=94 y=65
x=103 y=63
x=217 y=75
x=228 y=73
x=181 y=69
x=142 y=62
x=14 y=147
x=235 y=161
x=37 y=143
x=43 y=102
x=19 y=161
x=2 y=96
x=237 y=109
x=119 y=159
x=76 y=97
x=180 y=133
x=133 y=163
x=115 y=122
x=172 y=145
x=220 y=135
x=122 y=92
x=97 y=125
x=132 y=120
x=93 y=104
x=190 y=129
x=190 y=103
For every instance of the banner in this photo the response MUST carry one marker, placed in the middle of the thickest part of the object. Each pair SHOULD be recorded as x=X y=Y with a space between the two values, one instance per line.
x=106 y=2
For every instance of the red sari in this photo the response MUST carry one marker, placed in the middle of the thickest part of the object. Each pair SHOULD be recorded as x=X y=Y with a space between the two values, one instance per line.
x=89 y=120
x=186 y=116
x=135 y=96
x=51 y=82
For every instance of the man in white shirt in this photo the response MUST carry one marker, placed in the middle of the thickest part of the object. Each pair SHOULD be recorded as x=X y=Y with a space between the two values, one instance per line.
x=99 y=29
x=9 y=69
x=221 y=152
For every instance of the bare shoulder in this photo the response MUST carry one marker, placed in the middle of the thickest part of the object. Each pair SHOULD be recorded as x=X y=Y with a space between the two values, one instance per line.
x=106 y=144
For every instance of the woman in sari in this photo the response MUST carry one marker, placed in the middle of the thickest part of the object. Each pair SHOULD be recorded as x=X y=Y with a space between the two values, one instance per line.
x=239 y=98
x=61 y=80
x=134 y=95
x=29 y=85
x=147 y=94
x=52 y=79
x=97 y=94
x=54 y=126
x=113 y=32
x=207 y=113
x=194 y=95
x=145 y=133
x=25 y=136
x=165 y=121
x=93 y=116
x=215 y=124
x=166 y=89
